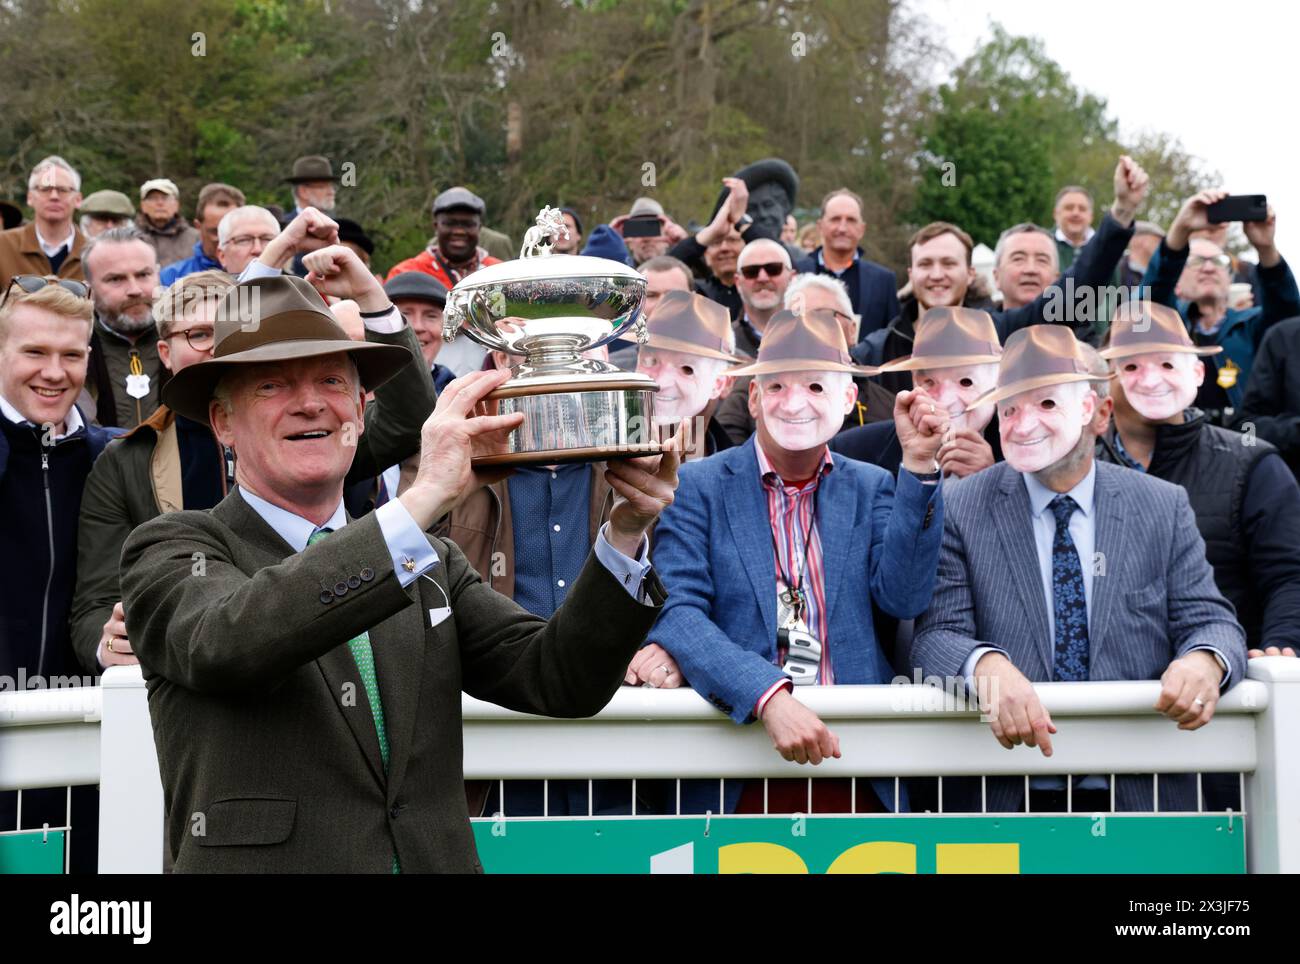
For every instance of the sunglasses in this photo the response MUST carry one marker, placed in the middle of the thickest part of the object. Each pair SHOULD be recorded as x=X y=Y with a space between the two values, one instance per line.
x=32 y=283
x=774 y=269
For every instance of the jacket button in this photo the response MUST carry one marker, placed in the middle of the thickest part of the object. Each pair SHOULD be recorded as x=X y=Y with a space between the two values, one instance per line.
x=394 y=811
x=327 y=596
x=367 y=574
x=354 y=582
x=340 y=588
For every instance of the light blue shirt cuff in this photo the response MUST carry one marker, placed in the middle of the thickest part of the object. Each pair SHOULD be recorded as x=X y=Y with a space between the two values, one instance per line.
x=407 y=544
x=630 y=573
x=968 y=667
x=255 y=269
x=1223 y=661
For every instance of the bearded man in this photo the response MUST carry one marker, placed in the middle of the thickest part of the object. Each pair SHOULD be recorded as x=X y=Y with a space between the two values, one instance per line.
x=126 y=372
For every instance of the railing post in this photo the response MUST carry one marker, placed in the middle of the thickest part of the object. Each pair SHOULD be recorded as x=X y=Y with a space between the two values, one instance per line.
x=130 y=788
x=1273 y=789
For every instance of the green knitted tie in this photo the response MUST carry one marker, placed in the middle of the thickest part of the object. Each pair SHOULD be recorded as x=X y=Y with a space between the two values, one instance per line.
x=365 y=659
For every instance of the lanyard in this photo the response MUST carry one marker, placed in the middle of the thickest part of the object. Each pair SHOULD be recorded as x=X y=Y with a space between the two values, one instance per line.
x=794 y=594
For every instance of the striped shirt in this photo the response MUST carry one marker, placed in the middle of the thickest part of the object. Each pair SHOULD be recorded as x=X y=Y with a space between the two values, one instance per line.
x=790 y=511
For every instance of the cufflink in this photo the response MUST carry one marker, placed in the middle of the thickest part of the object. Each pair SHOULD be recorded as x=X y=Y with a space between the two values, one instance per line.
x=408 y=564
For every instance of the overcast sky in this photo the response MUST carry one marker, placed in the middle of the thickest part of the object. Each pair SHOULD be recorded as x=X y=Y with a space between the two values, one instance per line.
x=1224 y=78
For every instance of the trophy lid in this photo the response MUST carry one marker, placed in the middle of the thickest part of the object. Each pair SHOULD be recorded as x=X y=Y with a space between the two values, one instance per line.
x=548 y=267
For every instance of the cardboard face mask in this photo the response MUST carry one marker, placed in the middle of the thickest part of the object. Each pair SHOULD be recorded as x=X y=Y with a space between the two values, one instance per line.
x=801 y=410
x=1041 y=427
x=1160 y=385
x=955 y=388
x=686 y=382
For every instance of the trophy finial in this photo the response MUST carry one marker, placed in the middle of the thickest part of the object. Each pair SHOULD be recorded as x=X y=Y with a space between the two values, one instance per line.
x=538 y=239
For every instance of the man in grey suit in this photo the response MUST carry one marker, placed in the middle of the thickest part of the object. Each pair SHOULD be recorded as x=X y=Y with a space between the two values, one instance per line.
x=304 y=669
x=1055 y=567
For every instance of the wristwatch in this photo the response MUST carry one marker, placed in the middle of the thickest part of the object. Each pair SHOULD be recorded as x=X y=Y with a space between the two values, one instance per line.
x=743 y=224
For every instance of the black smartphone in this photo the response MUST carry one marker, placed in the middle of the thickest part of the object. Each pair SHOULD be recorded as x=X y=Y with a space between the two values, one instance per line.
x=643 y=226
x=1238 y=207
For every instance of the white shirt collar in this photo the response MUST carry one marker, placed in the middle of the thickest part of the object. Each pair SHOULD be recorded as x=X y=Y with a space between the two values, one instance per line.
x=52 y=249
x=1087 y=236
x=1082 y=494
x=72 y=422
x=293 y=529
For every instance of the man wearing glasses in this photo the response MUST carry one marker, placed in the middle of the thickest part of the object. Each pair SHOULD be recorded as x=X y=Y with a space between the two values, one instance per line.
x=1196 y=278
x=172 y=463
x=51 y=244
x=242 y=234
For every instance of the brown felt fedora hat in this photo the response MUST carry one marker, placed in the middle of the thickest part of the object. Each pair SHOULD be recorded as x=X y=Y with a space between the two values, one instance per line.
x=693 y=324
x=313 y=167
x=809 y=342
x=272 y=320
x=947 y=337
x=1141 y=327
x=1037 y=357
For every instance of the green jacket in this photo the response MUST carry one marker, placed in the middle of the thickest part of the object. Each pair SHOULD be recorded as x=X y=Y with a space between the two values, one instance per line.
x=266 y=742
x=139 y=477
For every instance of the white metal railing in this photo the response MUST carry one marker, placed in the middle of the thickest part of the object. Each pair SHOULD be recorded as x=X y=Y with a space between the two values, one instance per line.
x=102 y=734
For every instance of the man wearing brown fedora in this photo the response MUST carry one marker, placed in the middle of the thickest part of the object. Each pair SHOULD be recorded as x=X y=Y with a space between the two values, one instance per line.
x=171 y=462
x=305 y=670
x=689 y=353
x=777 y=549
x=955 y=360
x=1055 y=567
x=314 y=186
x=1246 y=500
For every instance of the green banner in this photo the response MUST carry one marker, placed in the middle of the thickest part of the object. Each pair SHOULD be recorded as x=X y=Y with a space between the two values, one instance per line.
x=31 y=852
x=1191 y=844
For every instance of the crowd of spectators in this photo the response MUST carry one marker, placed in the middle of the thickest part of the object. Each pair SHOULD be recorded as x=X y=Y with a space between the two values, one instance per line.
x=887 y=472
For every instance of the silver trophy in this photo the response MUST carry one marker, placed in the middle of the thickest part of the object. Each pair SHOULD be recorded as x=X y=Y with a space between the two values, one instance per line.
x=550 y=308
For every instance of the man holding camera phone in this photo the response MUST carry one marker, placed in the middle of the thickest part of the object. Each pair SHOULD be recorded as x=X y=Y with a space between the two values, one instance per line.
x=1194 y=276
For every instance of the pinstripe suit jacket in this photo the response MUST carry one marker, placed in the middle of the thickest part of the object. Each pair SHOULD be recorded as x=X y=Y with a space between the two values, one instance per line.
x=1153 y=598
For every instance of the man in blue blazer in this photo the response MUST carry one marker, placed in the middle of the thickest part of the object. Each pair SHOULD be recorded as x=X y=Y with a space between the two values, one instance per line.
x=774 y=551
x=1055 y=567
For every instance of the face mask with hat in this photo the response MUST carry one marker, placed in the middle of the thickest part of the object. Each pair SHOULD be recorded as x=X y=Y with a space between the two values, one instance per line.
x=955 y=338
x=689 y=325
x=810 y=342
x=1034 y=358
x=1141 y=329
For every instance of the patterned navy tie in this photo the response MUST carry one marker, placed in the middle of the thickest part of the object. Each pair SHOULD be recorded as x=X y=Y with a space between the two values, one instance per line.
x=1069 y=604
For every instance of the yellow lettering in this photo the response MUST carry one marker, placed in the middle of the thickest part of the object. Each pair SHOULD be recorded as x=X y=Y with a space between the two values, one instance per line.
x=878 y=857
x=759 y=858
x=964 y=858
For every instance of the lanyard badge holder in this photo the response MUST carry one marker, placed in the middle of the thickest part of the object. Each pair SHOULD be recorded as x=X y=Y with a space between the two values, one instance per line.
x=803 y=650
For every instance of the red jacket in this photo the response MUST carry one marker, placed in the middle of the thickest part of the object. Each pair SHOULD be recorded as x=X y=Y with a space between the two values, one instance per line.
x=426 y=262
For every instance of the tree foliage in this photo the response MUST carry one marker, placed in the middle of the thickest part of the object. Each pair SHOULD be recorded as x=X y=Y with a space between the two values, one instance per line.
x=583 y=102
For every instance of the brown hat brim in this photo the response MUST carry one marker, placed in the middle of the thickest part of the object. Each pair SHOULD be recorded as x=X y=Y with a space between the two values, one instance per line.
x=664 y=343
x=912 y=363
x=189 y=391
x=801 y=365
x=1030 y=384
x=1157 y=348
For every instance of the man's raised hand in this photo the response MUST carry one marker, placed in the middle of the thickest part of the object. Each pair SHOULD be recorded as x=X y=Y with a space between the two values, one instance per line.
x=461 y=427
x=337 y=271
